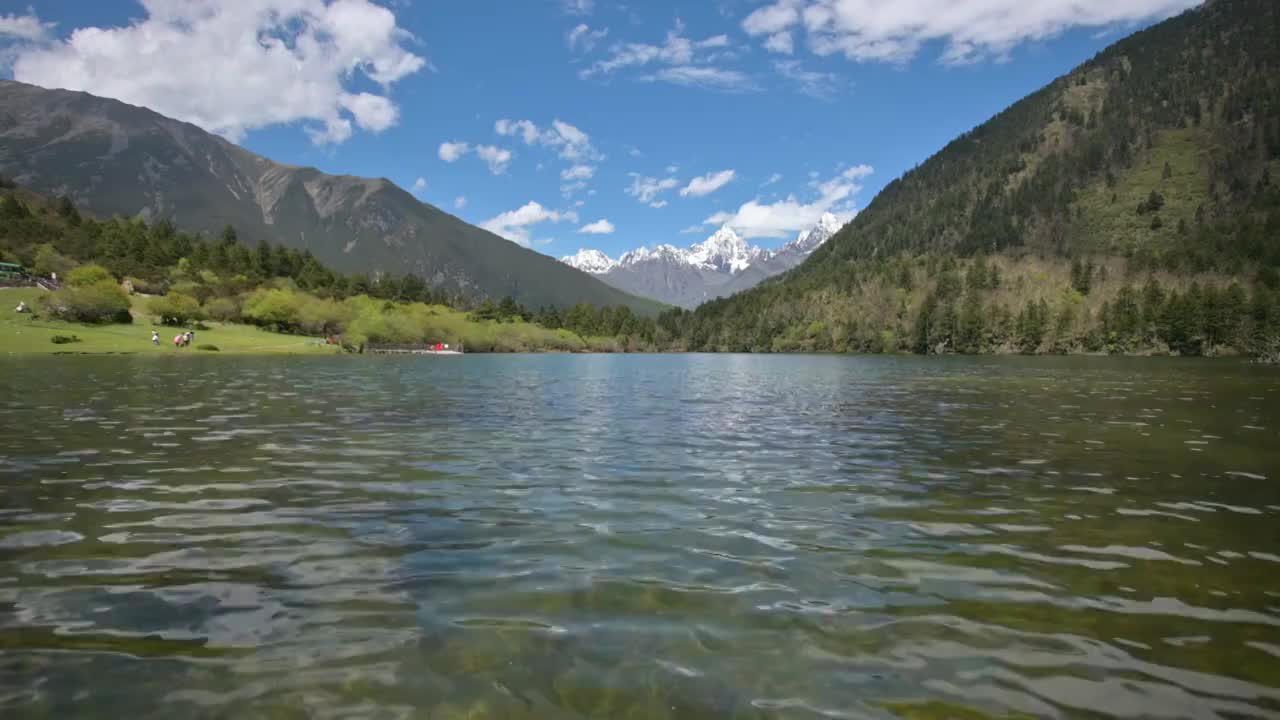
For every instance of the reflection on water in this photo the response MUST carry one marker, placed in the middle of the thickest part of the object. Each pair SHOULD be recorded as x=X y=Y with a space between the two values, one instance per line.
x=638 y=537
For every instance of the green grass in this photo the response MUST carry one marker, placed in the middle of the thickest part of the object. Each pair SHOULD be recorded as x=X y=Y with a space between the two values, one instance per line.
x=1114 y=227
x=26 y=334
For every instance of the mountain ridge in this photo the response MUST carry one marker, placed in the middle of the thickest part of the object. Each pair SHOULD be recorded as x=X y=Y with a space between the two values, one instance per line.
x=720 y=265
x=1151 y=164
x=113 y=158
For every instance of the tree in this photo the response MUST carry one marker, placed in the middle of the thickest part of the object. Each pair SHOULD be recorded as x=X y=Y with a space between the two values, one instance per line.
x=86 y=275
x=49 y=261
x=99 y=302
x=176 y=309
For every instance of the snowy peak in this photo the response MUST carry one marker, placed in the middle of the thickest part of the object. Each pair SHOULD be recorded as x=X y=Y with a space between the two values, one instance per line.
x=590 y=261
x=810 y=239
x=725 y=251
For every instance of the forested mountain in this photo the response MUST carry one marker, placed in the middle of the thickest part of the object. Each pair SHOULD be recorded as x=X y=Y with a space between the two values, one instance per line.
x=1148 y=168
x=110 y=158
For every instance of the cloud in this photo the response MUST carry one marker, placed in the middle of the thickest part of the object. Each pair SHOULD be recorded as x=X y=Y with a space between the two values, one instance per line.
x=782 y=43
x=419 y=185
x=694 y=230
x=647 y=189
x=578 y=172
x=894 y=31
x=707 y=184
x=577 y=7
x=756 y=219
x=572 y=143
x=515 y=225
x=235 y=67
x=773 y=180
x=772 y=19
x=451 y=151
x=25 y=27
x=497 y=158
x=459 y=202
x=599 y=227
x=583 y=38
x=681 y=61
x=820 y=85
x=705 y=77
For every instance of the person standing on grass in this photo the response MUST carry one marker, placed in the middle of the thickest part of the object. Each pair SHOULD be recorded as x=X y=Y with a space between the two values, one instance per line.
x=155 y=337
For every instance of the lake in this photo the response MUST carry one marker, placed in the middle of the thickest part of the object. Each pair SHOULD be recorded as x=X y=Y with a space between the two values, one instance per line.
x=638 y=537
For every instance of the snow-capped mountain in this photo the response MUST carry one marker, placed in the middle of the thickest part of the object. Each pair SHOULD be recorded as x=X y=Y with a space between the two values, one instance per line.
x=721 y=265
x=590 y=261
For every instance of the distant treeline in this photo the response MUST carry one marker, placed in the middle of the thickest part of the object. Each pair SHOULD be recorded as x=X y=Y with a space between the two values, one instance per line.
x=223 y=278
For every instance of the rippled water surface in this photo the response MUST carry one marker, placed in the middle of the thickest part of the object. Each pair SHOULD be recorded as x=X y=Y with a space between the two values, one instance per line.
x=638 y=537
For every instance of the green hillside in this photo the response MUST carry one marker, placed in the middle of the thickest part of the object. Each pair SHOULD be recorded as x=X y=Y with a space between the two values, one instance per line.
x=1150 y=165
x=110 y=158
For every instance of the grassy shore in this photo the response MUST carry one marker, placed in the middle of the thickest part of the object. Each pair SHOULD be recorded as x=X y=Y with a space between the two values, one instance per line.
x=25 y=334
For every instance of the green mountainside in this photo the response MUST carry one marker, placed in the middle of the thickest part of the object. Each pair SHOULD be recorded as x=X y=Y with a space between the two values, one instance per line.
x=111 y=158
x=1152 y=166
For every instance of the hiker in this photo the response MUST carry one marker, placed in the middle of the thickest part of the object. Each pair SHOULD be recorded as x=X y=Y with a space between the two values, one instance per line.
x=22 y=307
x=191 y=336
x=155 y=338
x=177 y=341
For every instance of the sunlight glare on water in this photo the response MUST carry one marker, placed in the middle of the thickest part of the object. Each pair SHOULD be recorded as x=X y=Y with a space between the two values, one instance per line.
x=639 y=537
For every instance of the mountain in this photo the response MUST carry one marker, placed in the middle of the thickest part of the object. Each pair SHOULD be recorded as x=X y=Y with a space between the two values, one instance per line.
x=1152 y=165
x=721 y=265
x=112 y=158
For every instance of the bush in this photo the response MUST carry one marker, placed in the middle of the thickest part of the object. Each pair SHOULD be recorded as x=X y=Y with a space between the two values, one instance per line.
x=209 y=348
x=87 y=275
x=64 y=339
x=279 y=309
x=176 y=309
x=222 y=310
x=101 y=302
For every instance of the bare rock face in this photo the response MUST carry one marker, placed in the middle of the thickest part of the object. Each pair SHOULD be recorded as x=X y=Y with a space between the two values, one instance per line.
x=111 y=158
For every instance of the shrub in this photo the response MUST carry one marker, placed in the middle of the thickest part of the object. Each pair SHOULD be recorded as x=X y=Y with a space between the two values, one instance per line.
x=64 y=339
x=209 y=348
x=100 y=302
x=222 y=309
x=176 y=309
x=279 y=309
x=87 y=275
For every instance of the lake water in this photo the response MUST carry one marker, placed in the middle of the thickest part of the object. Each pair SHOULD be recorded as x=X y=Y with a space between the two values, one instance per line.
x=638 y=537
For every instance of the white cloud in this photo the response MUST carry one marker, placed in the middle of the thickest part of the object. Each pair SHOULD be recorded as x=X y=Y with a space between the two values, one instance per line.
x=497 y=158
x=782 y=43
x=756 y=219
x=25 y=27
x=683 y=62
x=694 y=230
x=451 y=151
x=647 y=189
x=673 y=169
x=895 y=30
x=635 y=152
x=234 y=67
x=572 y=143
x=599 y=227
x=773 y=180
x=707 y=184
x=459 y=202
x=419 y=185
x=659 y=204
x=773 y=19
x=515 y=225
x=583 y=38
x=578 y=172
x=815 y=84
x=577 y=7
x=705 y=77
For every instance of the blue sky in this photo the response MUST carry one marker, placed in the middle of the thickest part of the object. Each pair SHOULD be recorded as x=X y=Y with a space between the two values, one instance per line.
x=581 y=123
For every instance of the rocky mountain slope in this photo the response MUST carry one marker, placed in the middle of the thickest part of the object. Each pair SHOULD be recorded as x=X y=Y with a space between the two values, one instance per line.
x=112 y=158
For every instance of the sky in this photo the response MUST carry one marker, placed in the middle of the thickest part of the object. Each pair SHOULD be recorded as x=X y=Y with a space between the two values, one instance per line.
x=568 y=124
